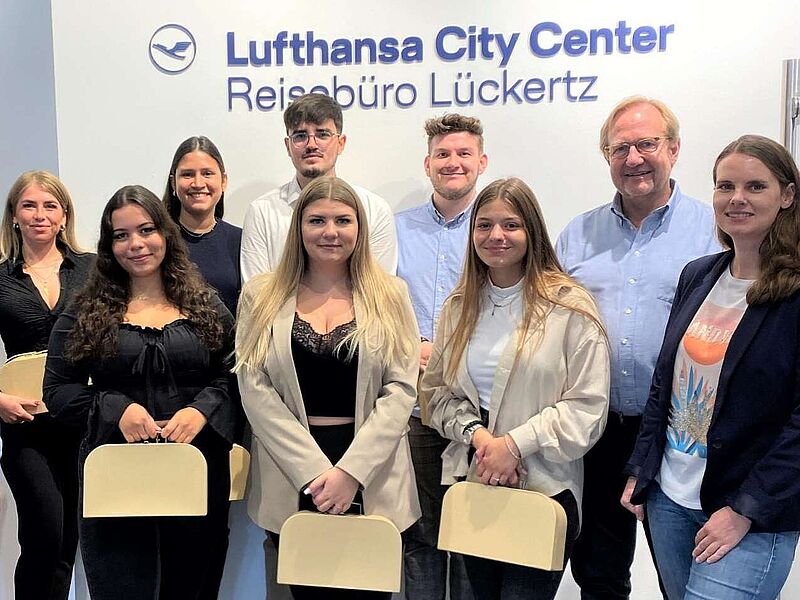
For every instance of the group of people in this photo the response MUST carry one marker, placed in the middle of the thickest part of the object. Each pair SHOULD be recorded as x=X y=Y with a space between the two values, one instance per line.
x=645 y=366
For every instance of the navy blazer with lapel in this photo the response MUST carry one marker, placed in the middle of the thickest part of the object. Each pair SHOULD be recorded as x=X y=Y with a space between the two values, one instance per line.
x=753 y=462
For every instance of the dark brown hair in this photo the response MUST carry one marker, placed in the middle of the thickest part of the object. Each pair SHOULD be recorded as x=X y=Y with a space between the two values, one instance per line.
x=100 y=307
x=197 y=143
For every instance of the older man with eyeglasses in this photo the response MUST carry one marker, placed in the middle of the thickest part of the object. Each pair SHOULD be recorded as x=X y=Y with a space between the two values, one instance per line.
x=629 y=254
x=314 y=141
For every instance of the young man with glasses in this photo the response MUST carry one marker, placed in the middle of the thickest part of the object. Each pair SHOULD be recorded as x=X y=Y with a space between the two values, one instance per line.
x=629 y=254
x=314 y=141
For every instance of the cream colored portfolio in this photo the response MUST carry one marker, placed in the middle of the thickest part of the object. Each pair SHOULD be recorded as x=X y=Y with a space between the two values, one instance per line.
x=240 y=467
x=23 y=375
x=340 y=551
x=145 y=480
x=504 y=524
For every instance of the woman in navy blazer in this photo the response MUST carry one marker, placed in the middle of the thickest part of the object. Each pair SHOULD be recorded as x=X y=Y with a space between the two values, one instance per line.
x=717 y=461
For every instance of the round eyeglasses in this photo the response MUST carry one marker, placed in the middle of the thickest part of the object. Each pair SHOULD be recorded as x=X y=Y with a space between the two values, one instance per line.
x=646 y=145
x=323 y=137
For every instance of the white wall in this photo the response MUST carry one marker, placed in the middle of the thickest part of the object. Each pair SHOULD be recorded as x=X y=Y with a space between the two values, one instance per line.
x=27 y=101
x=119 y=119
x=27 y=141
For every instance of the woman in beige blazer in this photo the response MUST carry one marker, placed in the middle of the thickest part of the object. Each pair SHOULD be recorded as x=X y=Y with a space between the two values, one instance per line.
x=327 y=358
x=519 y=374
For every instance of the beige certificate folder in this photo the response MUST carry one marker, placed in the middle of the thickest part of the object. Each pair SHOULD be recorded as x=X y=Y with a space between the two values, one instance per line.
x=240 y=467
x=504 y=524
x=145 y=480
x=340 y=551
x=23 y=375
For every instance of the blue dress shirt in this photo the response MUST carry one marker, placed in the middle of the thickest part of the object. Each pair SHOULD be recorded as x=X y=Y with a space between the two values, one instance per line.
x=632 y=273
x=430 y=258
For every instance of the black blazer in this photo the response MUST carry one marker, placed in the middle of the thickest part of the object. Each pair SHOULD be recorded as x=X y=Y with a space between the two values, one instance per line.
x=754 y=436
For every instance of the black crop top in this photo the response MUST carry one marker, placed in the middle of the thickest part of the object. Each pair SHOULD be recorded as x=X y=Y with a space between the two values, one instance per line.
x=327 y=379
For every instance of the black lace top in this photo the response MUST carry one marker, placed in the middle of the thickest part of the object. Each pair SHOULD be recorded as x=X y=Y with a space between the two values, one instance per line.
x=327 y=379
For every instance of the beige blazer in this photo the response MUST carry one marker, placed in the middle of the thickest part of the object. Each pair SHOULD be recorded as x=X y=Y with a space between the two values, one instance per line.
x=285 y=457
x=552 y=397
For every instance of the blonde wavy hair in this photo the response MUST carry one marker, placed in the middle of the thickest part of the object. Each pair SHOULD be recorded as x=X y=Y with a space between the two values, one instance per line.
x=381 y=328
x=544 y=279
x=11 y=239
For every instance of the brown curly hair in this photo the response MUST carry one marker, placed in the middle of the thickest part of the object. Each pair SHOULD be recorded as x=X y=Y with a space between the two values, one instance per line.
x=100 y=307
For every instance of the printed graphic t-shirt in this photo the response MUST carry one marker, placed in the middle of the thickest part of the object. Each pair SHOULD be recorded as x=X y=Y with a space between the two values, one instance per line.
x=698 y=363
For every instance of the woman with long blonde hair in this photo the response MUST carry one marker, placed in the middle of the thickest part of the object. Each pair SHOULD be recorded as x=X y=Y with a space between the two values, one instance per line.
x=327 y=353
x=519 y=374
x=41 y=269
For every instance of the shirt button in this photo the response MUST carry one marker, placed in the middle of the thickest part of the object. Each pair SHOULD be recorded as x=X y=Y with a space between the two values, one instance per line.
x=624 y=341
x=628 y=310
x=632 y=280
x=624 y=371
x=443 y=257
x=636 y=253
x=440 y=288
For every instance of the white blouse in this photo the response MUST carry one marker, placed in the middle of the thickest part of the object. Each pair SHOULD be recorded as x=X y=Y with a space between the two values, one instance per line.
x=501 y=314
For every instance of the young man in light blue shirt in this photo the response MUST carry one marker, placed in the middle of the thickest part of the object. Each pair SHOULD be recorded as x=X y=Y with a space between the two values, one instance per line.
x=432 y=239
x=628 y=254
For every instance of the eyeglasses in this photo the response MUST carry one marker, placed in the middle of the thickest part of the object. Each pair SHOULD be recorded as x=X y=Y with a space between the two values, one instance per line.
x=646 y=145
x=322 y=136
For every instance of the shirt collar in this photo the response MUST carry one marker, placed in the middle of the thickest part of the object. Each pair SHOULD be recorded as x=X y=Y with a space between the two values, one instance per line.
x=67 y=254
x=434 y=213
x=293 y=191
x=662 y=213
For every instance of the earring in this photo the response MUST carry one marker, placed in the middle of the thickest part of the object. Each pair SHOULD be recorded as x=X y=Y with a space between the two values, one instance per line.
x=16 y=225
x=62 y=229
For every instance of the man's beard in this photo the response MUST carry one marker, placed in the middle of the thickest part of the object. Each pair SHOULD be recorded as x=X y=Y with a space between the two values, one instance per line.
x=453 y=195
x=312 y=172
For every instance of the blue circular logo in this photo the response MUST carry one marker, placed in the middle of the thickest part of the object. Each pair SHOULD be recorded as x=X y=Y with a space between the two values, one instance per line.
x=172 y=49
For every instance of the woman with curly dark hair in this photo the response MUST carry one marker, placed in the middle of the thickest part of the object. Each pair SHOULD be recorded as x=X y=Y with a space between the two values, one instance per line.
x=154 y=341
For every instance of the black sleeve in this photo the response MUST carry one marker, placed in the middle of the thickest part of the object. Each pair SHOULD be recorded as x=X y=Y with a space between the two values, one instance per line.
x=217 y=401
x=67 y=393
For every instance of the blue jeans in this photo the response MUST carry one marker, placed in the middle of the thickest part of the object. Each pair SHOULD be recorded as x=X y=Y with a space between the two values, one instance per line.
x=426 y=567
x=756 y=568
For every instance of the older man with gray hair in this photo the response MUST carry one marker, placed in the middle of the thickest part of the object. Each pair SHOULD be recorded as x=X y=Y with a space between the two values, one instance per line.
x=629 y=254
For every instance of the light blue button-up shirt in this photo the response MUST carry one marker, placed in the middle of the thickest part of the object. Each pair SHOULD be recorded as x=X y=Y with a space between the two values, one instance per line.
x=430 y=259
x=632 y=273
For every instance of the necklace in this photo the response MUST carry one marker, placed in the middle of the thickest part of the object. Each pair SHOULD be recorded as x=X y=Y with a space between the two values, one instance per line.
x=197 y=234
x=495 y=305
x=153 y=299
x=43 y=281
x=502 y=297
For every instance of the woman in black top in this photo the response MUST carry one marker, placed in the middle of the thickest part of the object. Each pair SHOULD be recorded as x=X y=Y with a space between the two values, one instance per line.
x=328 y=358
x=41 y=269
x=195 y=199
x=155 y=341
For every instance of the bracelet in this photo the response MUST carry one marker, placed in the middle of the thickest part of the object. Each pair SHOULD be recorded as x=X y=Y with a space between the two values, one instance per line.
x=471 y=424
x=510 y=450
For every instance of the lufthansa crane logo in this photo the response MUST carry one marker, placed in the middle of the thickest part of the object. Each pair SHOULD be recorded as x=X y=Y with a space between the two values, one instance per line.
x=172 y=49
